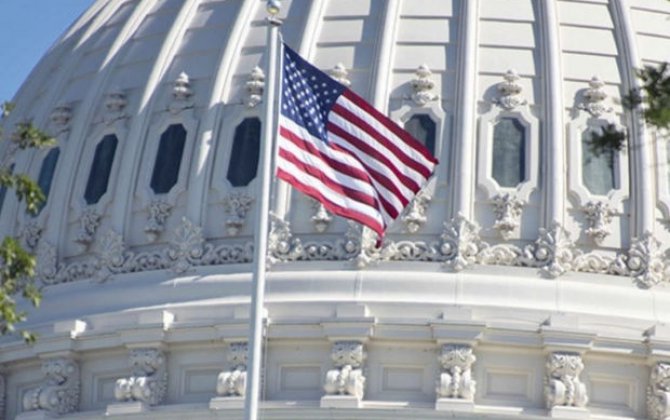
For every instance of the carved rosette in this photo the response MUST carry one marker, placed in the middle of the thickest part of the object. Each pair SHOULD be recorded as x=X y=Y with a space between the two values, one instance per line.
x=422 y=86
x=507 y=209
x=187 y=247
x=460 y=243
x=255 y=86
x=182 y=93
x=115 y=105
x=59 y=392
x=347 y=377
x=456 y=377
x=88 y=225
x=562 y=386
x=510 y=92
x=340 y=73
x=321 y=218
x=148 y=382
x=282 y=246
x=415 y=216
x=645 y=260
x=159 y=211
x=658 y=392
x=594 y=98
x=233 y=382
x=552 y=252
x=599 y=215
x=236 y=206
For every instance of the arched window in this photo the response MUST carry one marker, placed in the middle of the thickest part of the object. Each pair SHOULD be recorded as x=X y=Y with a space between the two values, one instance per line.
x=168 y=159
x=422 y=128
x=597 y=168
x=244 y=156
x=509 y=153
x=98 y=177
x=46 y=174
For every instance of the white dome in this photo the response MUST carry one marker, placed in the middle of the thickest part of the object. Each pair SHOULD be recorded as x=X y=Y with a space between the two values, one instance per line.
x=546 y=262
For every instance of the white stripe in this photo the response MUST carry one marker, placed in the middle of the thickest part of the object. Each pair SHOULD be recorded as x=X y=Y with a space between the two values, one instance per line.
x=350 y=128
x=332 y=196
x=397 y=141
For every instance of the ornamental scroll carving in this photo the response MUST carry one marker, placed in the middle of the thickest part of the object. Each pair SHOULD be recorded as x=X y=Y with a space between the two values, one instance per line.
x=507 y=209
x=456 y=377
x=552 y=252
x=255 y=86
x=148 y=382
x=415 y=216
x=88 y=225
x=321 y=218
x=31 y=234
x=182 y=93
x=658 y=392
x=159 y=211
x=562 y=384
x=599 y=215
x=233 y=382
x=645 y=260
x=510 y=92
x=460 y=243
x=59 y=392
x=347 y=377
x=594 y=98
x=236 y=206
x=422 y=86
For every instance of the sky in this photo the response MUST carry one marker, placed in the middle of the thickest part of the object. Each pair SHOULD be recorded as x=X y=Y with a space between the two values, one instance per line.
x=27 y=29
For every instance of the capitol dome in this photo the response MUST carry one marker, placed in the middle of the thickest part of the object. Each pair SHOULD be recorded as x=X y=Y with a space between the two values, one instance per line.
x=529 y=279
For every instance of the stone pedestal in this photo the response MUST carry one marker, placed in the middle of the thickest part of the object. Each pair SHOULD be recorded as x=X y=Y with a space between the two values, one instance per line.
x=560 y=412
x=225 y=403
x=122 y=408
x=454 y=404
x=35 y=415
x=340 y=401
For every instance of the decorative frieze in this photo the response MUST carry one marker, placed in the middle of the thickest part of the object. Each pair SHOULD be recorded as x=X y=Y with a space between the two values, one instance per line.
x=456 y=377
x=422 y=86
x=415 y=216
x=509 y=92
x=562 y=386
x=59 y=392
x=599 y=216
x=340 y=73
x=255 y=86
x=232 y=382
x=159 y=211
x=89 y=221
x=460 y=243
x=552 y=252
x=507 y=209
x=148 y=382
x=347 y=376
x=594 y=98
x=236 y=206
x=658 y=392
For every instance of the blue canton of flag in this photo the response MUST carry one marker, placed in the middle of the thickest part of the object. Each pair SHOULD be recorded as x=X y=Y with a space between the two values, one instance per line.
x=339 y=150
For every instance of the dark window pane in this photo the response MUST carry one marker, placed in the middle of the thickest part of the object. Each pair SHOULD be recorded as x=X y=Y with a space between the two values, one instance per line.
x=509 y=150
x=244 y=156
x=101 y=167
x=3 y=190
x=598 y=170
x=47 y=173
x=168 y=159
x=422 y=128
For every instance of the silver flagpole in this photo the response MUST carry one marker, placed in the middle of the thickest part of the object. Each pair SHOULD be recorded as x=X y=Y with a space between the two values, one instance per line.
x=260 y=250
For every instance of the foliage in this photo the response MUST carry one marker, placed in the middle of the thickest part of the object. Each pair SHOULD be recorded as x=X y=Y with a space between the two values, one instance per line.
x=17 y=266
x=607 y=138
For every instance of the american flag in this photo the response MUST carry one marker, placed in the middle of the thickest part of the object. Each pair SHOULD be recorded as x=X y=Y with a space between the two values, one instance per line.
x=339 y=150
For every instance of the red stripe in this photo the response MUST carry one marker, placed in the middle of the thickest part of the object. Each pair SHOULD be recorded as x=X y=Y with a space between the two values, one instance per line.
x=372 y=132
x=338 y=166
x=332 y=207
x=375 y=154
x=388 y=123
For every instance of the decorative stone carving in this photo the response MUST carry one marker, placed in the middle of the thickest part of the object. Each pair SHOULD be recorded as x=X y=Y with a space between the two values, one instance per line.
x=645 y=260
x=415 y=216
x=31 y=234
x=500 y=254
x=47 y=262
x=658 y=392
x=61 y=116
x=460 y=243
x=599 y=215
x=562 y=385
x=594 y=98
x=347 y=377
x=233 y=382
x=340 y=73
x=510 y=92
x=281 y=244
x=89 y=221
x=187 y=246
x=255 y=86
x=321 y=218
x=159 y=211
x=148 y=382
x=111 y=255
x=115 y=105
x=236 y=206
x=552 y=252
x=507 y=209
x=59 y=392
x=422 y=86
x=182 y=94
x=456 y=379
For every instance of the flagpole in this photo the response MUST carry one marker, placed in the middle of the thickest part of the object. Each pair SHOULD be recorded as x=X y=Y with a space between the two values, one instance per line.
x=252 y=392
